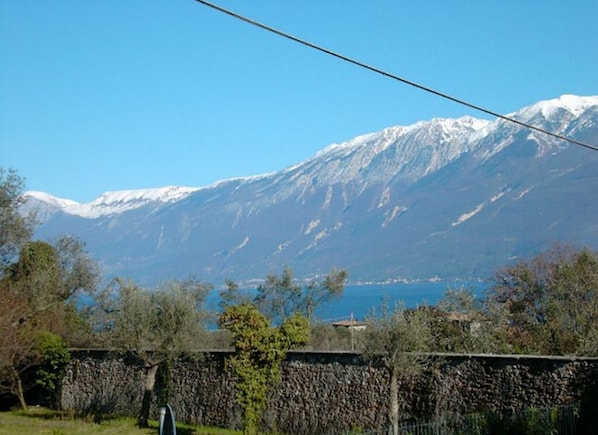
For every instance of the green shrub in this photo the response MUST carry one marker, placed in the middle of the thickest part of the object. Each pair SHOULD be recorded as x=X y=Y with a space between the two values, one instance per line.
x=56 y=357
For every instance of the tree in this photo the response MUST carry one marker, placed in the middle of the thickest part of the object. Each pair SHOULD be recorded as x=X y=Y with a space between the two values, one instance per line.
x=320 y=292
x=551 y=301
x=397 y=338
x=51 y=276
x=38 y=289
x=17 y=347
x=35 y=276
x=233 y=295
x=15 y=228
x=29 y=354
x=462 y=322
x=259 y=351
x=157 y=326
x=281 y=296
x=38 y=301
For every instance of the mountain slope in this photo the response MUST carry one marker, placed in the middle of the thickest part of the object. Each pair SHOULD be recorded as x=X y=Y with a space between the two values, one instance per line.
x=444 y=198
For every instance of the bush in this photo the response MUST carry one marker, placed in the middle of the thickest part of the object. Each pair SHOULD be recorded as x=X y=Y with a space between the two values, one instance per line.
x=55 y=357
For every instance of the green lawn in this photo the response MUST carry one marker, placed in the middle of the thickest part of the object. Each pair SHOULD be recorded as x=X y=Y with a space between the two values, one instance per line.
x=47 y=422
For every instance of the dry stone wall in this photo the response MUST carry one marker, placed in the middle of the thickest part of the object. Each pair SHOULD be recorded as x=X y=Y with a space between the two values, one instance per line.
x=335 y=392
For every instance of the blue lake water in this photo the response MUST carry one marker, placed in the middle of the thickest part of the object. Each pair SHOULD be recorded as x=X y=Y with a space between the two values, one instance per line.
x=359 y=300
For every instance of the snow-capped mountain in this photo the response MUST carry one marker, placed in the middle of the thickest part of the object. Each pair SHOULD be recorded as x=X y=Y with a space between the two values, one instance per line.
x=441 y=198
x=112 y=203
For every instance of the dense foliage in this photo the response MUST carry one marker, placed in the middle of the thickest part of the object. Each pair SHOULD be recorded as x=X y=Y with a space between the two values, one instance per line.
x=259 y=351
x=550 y=302
x=56 y=356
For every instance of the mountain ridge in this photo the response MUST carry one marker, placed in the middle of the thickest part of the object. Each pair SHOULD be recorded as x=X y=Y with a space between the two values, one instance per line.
x=575 y=105
x=449 y=198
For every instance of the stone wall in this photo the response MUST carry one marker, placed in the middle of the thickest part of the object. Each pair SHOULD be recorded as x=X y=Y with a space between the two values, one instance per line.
x=335 y=392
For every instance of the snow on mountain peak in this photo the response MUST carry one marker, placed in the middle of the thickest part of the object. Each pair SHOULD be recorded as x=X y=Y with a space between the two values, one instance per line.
x=114 y=202
x=346 y=146
x=161 y=194
x=573 y=104
x=50 y=199
x=449 y=124
x=445 y=128
x=124 y=200
x=409 y=152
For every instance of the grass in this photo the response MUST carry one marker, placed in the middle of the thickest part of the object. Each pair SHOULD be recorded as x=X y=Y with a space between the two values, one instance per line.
x=47 y=422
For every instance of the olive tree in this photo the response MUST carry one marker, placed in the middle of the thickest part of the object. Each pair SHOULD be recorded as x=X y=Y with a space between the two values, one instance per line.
x=398 y=338
x=281 y=296
x=157 y=326
x=15 y=227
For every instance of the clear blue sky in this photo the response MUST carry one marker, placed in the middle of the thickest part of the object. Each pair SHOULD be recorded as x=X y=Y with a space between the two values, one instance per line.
x=126 y=94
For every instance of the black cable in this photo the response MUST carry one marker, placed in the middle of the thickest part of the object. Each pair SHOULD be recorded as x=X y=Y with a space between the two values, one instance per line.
x=395 y=77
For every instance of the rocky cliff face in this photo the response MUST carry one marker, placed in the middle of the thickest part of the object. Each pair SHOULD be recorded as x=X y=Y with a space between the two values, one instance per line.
x=444 y=198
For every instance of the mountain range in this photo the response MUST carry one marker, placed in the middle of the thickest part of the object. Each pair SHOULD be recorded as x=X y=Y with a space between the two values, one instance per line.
x=440 y=199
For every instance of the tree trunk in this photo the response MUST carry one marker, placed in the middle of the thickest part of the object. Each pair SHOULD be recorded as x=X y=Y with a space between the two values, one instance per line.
x=150 y=381
x=19 y=384
x=394 y=400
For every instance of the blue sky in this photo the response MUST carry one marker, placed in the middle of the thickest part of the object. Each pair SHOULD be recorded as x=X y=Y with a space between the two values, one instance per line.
x=126 y=94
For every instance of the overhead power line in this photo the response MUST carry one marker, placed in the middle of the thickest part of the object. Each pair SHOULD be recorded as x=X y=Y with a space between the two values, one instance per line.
x=395 y=77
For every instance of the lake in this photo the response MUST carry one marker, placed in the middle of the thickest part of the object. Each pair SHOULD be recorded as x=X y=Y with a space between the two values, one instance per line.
x=359 y=300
